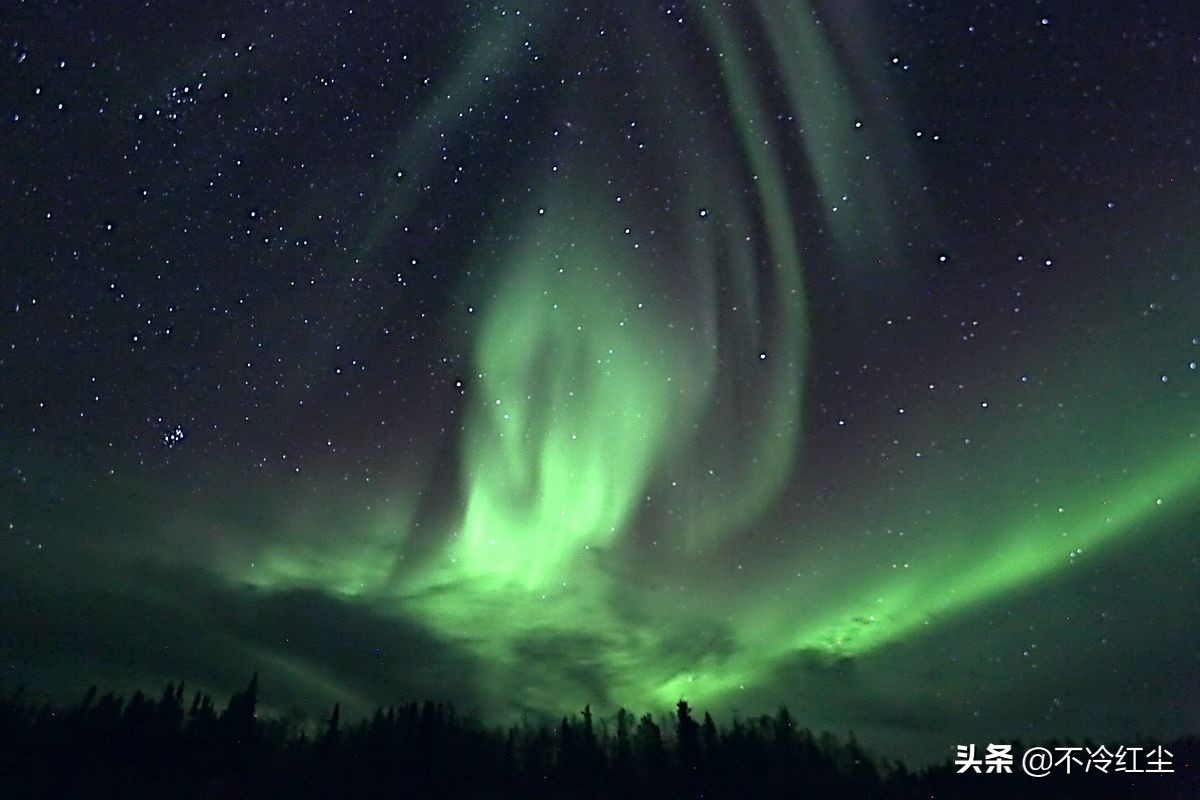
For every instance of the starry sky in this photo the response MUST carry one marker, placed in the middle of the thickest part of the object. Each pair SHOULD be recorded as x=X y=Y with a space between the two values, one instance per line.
x=840 y=355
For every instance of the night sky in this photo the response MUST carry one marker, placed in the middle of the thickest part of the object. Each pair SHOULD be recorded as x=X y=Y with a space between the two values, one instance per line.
x=840 y=355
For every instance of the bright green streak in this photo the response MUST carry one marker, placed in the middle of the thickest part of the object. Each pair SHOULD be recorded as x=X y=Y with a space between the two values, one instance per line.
x=946 y=580
x=581 y=390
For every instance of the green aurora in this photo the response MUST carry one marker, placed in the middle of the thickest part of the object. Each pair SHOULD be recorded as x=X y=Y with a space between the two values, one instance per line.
x=590 y=399
x=688 y=373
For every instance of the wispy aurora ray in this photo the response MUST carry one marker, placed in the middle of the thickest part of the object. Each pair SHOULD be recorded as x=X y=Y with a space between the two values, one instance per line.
x=627 y=426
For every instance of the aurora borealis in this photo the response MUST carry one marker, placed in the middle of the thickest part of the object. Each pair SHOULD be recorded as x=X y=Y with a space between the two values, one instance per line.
x=841 y=356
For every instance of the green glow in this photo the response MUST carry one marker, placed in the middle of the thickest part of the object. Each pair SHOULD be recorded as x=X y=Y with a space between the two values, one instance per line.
x=581 y=388
x=584 y=395
x=614 y=416
x=944 y=581
x=351 y=555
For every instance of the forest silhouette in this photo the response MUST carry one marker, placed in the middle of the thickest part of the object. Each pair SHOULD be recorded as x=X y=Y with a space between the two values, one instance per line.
x=181 y=746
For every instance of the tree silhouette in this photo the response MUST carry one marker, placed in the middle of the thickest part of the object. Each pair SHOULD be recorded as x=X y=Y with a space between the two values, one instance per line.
x=145 y=747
